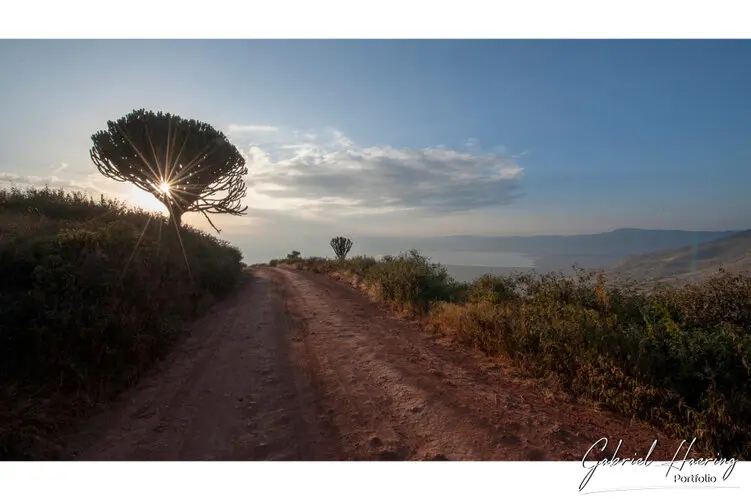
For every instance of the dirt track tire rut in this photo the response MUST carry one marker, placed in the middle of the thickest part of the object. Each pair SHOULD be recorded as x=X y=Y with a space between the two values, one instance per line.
x=297 y=366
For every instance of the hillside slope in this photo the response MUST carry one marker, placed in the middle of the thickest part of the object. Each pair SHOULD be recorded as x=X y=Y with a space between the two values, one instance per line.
x=691 y=263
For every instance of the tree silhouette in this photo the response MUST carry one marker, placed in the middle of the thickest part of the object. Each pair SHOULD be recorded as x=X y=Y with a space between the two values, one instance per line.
x=294 y=255
x=341 y=246
x=186 y=164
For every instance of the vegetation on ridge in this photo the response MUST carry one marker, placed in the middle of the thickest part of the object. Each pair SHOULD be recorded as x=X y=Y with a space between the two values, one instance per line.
x=93 y=292
x=679 y=357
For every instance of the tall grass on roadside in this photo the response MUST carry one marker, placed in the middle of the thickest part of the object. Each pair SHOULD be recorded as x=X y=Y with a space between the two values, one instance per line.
x=93 y=292
x=677 y=357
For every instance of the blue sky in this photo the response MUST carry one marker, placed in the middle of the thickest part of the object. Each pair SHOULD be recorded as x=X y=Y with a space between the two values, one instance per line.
x=513 y=136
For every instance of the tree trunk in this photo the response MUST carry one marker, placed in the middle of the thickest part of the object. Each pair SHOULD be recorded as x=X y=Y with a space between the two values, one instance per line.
x=177 y=217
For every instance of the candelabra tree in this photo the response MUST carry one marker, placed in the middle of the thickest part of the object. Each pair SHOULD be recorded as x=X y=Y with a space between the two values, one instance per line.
x=341 y=246
x=186 y=164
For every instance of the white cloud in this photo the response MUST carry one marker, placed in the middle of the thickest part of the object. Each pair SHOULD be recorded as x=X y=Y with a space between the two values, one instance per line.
x=235 y=128
x=38 y=181
x=331 y=175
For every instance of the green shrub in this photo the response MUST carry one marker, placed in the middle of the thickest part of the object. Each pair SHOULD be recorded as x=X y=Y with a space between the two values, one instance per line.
x=408 y=280
x=492 y=289
x=412 y=280
x=359 y=265
x=679 y=357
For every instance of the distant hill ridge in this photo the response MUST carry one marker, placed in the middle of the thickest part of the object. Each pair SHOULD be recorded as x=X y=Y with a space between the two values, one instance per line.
x=619 y=243
x=691 y=262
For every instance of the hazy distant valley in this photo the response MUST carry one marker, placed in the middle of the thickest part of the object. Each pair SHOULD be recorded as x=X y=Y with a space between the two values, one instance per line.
x=467 y=257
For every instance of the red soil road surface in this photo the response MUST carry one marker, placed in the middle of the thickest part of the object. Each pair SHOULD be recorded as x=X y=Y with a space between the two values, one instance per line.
x=297 y=366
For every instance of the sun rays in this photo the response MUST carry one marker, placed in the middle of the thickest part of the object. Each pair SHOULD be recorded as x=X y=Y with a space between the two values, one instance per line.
x=184 y=165
x=165 y=188
x=171 y=179
x=168 y=174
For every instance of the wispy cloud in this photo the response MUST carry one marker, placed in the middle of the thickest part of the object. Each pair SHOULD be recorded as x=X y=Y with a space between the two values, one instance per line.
x=235 y=128
x=472 y=145
x=92 y=184
x=332 y=175
x=37 y=181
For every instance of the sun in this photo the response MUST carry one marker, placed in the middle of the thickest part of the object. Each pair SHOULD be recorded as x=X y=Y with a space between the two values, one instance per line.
x=164 y=187
x=145 y=199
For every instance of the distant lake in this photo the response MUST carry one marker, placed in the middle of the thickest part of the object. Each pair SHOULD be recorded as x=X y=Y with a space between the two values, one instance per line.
x=484 y=259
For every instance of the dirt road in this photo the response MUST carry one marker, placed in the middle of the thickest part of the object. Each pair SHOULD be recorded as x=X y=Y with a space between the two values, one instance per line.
x=297 y=366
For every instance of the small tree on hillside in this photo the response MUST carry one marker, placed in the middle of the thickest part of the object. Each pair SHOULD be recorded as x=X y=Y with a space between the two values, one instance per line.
x=341 y=246
x=186 y=164
x=293 y=256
